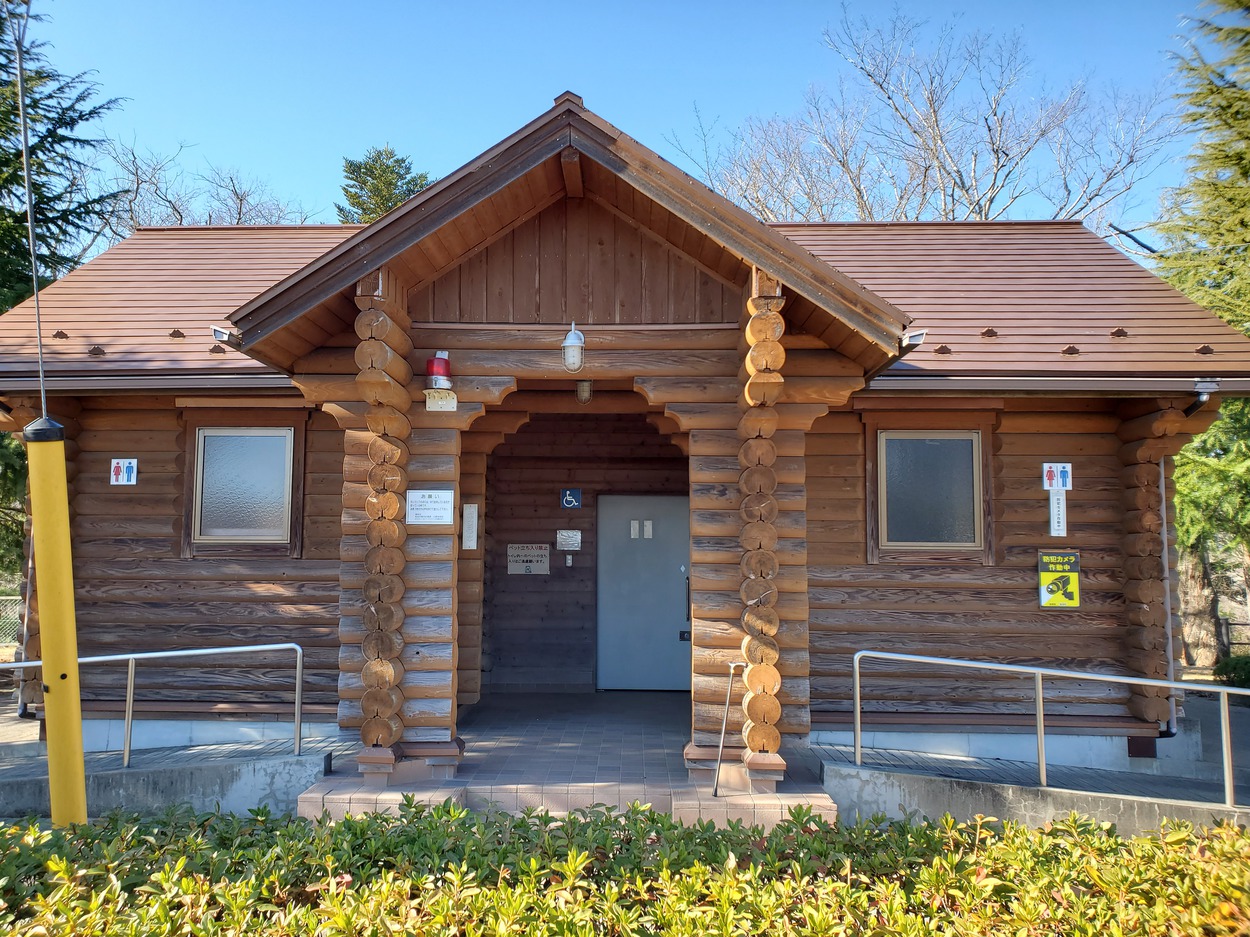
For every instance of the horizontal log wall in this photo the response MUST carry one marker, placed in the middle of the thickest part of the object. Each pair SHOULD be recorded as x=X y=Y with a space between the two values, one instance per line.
x=540 y=631
x=134 y=591
x=968 y=609
x=577 y=260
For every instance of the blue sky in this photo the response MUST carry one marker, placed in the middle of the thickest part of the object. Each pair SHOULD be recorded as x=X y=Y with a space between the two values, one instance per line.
x=284 y=90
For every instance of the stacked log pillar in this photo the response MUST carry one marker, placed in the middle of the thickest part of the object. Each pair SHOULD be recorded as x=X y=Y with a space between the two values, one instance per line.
x=382 y=382
x=432 y=602
x=758 y=538
x=1150 y=431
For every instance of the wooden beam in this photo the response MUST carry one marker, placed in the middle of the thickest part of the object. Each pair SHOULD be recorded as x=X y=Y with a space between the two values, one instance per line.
x=382 y=289
x=571 y=167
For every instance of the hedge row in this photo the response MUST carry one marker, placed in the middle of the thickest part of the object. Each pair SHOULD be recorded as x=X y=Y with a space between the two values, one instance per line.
x=449 y=871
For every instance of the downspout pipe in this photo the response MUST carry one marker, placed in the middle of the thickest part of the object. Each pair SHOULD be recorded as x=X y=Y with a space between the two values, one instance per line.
x=1170 y=730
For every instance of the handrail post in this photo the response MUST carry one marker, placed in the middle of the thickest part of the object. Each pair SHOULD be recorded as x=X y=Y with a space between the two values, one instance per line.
x=1226 y=742
x=129 y=721
x=724 y=725
x=1041 y=728
x=858 y=726
x=299 y=698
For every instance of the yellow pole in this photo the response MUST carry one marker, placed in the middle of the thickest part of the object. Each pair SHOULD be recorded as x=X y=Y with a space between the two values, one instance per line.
x=54 y=575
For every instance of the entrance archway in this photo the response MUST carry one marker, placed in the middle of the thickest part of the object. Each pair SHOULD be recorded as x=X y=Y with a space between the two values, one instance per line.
x=539 y=628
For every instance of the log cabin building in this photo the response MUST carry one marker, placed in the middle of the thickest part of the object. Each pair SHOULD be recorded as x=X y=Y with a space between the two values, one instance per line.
x=760 y=460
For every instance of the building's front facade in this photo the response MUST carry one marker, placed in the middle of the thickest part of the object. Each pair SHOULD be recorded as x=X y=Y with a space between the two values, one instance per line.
x=759 y=477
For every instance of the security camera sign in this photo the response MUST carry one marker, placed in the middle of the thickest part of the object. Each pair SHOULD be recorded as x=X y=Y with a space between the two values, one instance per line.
x=1059 y=578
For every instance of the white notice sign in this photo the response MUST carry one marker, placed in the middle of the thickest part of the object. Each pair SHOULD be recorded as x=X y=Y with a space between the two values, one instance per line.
x=1058 y=512
x=428 y=507
x=468 y=529
x=529 y=559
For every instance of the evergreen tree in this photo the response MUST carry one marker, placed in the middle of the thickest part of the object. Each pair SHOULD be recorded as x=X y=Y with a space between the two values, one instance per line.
x=380 y=181
x=59 y=110
x=1207 y=256
x=1207 y=227
x=12 y=510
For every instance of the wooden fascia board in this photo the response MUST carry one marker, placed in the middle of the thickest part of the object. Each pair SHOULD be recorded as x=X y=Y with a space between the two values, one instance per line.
x=362 y=253
x=149 y=383
x=878 y=321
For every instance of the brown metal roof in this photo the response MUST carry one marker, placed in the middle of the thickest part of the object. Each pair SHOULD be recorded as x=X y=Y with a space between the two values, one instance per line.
x=125 y=303
x=1062 y=306
x=1056 y=300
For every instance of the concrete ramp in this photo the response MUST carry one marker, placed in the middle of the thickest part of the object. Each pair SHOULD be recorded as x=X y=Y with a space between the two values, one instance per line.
x=895 y=783
x=234 y=778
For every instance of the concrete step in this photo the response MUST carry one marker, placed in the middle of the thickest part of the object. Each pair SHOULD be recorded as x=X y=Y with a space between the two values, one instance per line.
x=340 y=795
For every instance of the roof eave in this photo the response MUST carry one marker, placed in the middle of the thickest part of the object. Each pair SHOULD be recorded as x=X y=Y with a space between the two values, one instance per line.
x=1110 y=386
x=378 y=243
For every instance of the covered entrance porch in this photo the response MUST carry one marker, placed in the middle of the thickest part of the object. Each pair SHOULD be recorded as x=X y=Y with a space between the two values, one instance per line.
x=561 y=752
x=701 y=324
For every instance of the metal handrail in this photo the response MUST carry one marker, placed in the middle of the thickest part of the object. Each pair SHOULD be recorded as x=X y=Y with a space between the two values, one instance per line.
x=1038 y=673
x=194 y=652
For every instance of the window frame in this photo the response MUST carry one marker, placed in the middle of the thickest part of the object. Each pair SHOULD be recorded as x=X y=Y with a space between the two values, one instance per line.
x=237 y=420
x=977 y=426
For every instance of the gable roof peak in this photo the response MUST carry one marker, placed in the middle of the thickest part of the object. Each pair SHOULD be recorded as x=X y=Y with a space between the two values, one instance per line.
x=568 y=97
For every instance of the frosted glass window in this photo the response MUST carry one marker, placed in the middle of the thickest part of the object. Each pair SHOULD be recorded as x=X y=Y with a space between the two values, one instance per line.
x=243 y=484
x=930 y=488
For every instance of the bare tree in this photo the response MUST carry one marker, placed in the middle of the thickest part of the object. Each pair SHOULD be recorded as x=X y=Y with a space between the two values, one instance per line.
x=951 y=130
x=155 y=189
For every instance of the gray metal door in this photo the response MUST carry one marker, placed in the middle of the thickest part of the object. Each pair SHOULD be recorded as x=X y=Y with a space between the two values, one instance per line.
x=644 y=607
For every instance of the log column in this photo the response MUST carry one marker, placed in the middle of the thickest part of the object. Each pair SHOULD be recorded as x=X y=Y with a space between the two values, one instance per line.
x=1151 y=430
x=759 y=566
x=382 y=382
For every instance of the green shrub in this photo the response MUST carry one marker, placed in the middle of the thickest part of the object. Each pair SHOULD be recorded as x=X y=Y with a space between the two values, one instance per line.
x=448 y=871
x=1234 y=671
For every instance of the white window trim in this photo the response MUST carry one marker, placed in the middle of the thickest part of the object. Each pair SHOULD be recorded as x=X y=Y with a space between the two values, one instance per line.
x=288 y=434
x=978 y=499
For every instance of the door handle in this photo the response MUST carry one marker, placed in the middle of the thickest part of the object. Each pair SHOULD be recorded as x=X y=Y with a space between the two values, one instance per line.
x=688 y=598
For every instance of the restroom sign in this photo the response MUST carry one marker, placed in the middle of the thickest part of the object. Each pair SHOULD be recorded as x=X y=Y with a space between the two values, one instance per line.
x=124 y=472
x=1057 y=476
x=1059 y=578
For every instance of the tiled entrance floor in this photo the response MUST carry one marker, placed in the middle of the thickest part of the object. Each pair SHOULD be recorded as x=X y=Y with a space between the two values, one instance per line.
x=561 y=752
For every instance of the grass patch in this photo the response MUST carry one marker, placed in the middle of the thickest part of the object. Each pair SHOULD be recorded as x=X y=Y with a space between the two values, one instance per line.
x=449 y=871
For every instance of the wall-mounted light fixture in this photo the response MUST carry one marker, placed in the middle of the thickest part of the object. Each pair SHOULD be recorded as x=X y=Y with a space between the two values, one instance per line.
x=574 y=349
x=585 y=389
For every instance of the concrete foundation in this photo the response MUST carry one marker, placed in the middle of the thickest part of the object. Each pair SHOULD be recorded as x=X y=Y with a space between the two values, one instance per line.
x=1179 y=756
x=107 y=735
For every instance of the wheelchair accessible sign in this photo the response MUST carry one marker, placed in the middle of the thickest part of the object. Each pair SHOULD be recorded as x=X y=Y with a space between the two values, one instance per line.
x=1059 y=578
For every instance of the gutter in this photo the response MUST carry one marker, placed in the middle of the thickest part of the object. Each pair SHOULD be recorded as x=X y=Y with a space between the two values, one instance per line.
x=1112 y=386
x=151 y=382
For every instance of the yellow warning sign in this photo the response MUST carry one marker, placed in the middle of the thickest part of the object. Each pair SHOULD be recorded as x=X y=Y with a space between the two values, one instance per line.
x=1059 y=578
